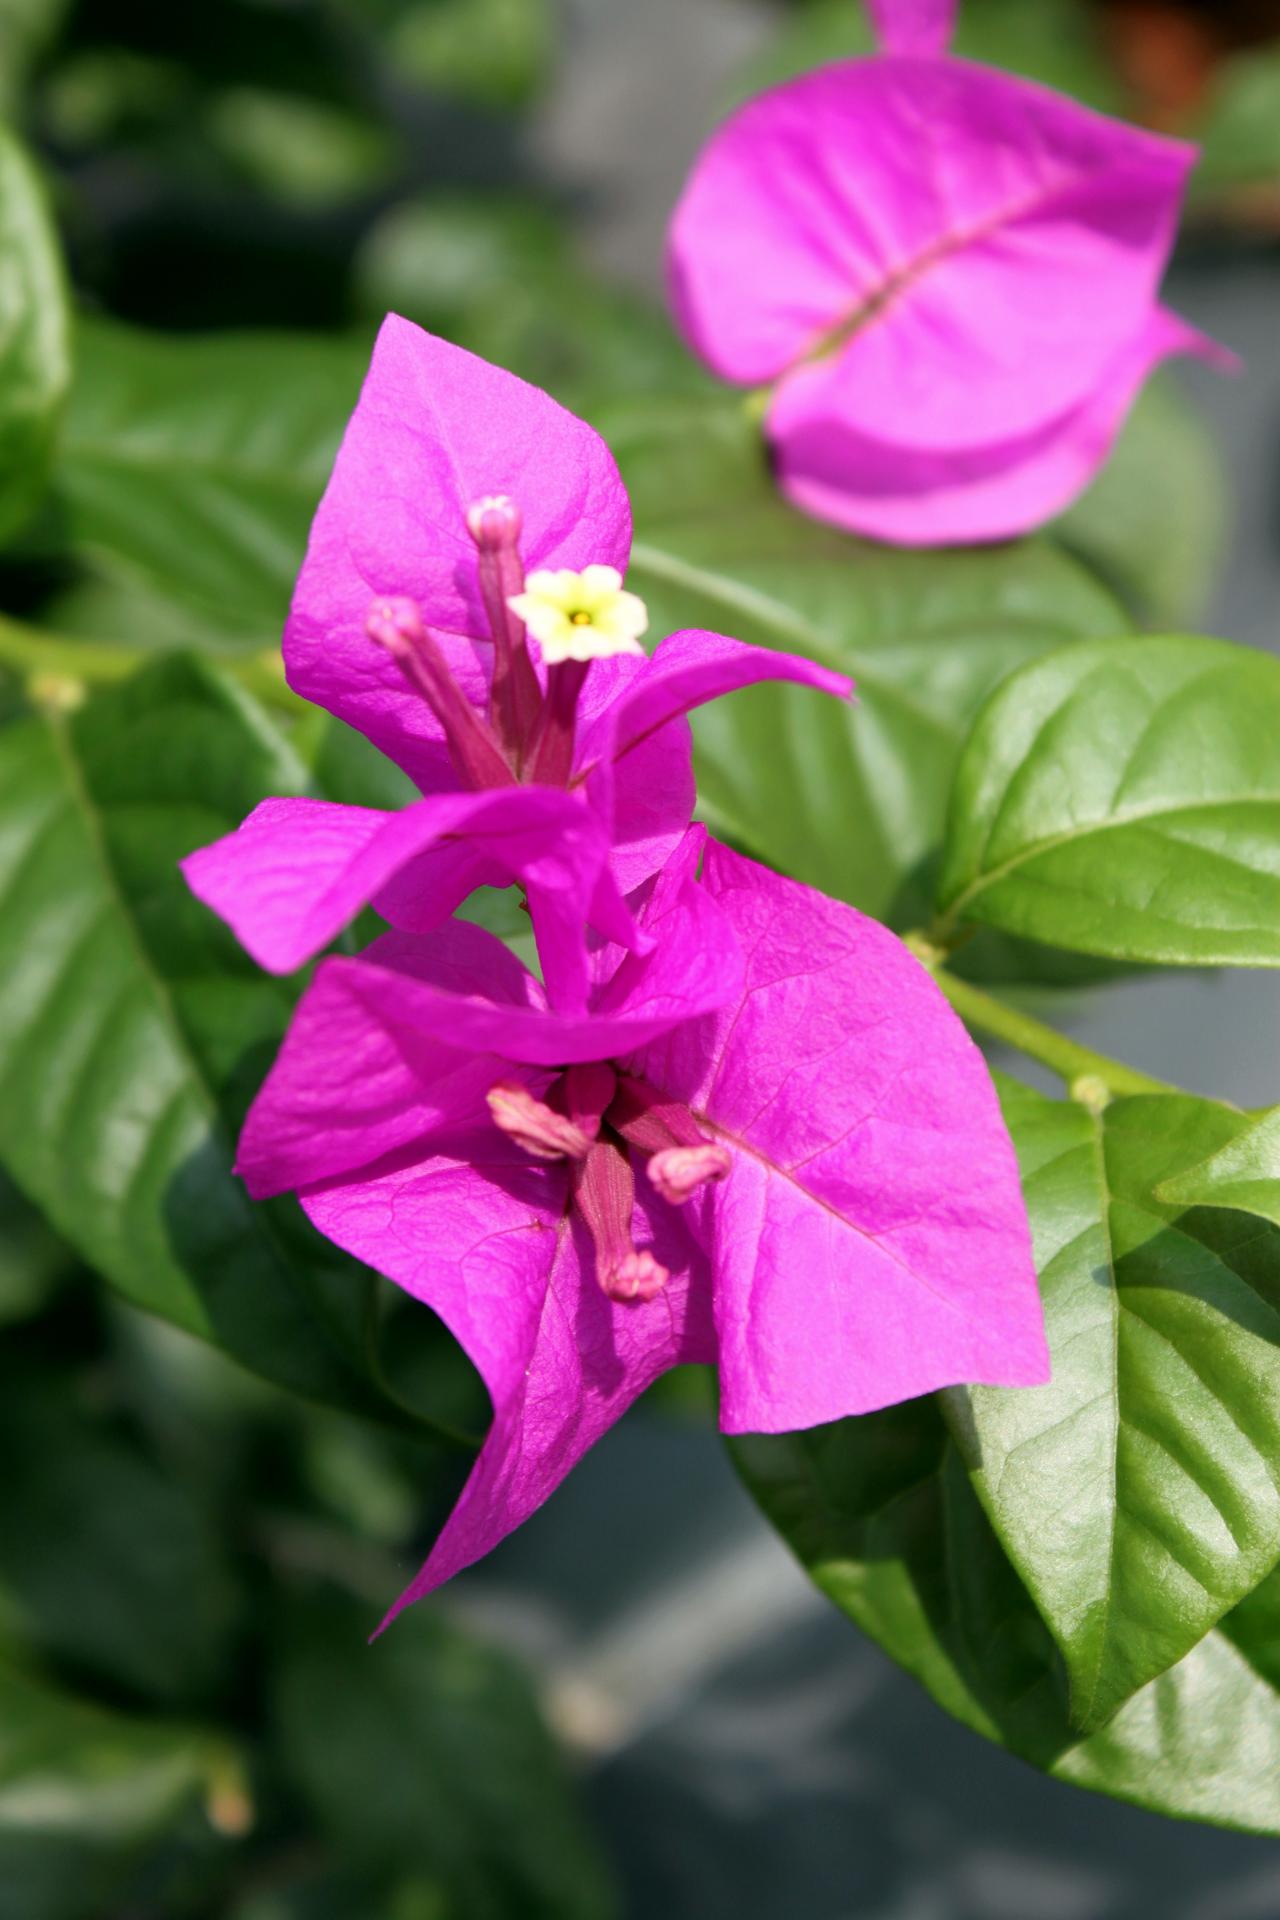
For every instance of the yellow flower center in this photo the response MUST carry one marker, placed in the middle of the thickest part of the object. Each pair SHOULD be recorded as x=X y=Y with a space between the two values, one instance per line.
x=580 y=616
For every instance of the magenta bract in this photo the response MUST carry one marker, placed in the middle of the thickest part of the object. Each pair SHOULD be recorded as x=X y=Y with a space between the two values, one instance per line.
x=575 y=782
x=947 y=277
x=769 y=1144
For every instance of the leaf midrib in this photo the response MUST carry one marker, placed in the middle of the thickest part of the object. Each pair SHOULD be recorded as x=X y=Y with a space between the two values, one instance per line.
x=1114 y=823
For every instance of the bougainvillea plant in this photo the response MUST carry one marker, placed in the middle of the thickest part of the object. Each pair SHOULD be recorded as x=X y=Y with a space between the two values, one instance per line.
x=726 y=1041
x=400 y=1009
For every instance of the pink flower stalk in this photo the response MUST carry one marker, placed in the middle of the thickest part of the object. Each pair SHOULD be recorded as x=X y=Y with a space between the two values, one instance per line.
x=768 y=1143
x=564 y=763
x=946 y=276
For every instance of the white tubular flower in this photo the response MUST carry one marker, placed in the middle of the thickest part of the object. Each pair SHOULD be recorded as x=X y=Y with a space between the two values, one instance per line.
x=580 y=616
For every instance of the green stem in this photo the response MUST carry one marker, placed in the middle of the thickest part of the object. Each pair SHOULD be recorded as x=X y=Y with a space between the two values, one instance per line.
x=1083 y=1070
x=29 y=651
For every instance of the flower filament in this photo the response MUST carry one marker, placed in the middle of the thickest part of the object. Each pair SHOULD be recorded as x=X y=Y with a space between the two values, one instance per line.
x=591 y=1116
x=526 y=734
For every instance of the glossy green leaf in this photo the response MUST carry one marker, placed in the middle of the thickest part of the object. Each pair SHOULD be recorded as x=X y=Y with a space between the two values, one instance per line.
x=83 y=1791
x=883 y=1515
x=425 y=1750
x=35 y=329
x=136 y=1030
x=1121 y=799
x=192 y=467
x=1244 y=1174
x=1138 y=1494
x=851 y=798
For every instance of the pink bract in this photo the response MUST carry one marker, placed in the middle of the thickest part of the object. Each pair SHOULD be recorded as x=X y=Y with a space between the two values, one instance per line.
x=855 y=1236
x=948 y=277
x=435 y=431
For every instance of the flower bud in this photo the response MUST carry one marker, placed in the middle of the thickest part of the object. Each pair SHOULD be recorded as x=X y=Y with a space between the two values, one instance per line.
x=494 y=522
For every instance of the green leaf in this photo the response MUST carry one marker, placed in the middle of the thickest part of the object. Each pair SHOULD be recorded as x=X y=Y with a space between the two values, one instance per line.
x=26 y=29
x=425 y=1751
x=35 y=330
x=1241 y=134
x=1051 y=42
x=136 y=1030
x=492 y=52
x=84 y=1791
x=1152 y=523
x=1254 y=1627
x=32 y=1258
x=1121 y=799
x=850 y=798
x=77 y=1495
x=1138 y=1494
x=190 y=468
x=306 y=153
x=883 y=1516
x=1244 y=1174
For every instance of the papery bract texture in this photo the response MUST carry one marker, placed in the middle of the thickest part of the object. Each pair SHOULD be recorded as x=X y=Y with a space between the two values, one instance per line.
x=434 y=430
x=855 y=1232
x=947 y=275
x=872 y=1242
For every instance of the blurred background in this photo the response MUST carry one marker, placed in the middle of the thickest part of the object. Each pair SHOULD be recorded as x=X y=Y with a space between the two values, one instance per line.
x=638 y=1705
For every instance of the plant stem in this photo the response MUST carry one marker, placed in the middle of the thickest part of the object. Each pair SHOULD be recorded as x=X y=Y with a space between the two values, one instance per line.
x=1079 y=1067
x=28 y=651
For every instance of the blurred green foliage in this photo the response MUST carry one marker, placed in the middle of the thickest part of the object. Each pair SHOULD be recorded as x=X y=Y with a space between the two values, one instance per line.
x=190 y=1558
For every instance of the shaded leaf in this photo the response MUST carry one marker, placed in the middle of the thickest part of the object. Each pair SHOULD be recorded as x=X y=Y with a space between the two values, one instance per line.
x=78 y=1502
x=137 y=1030
x=35 y=328
x=1120 y=799
x=83 y=1791
x=425 y=1752
x=1051 y=43
x=1152 y=523
x=26 y=29
x=32 y=1258
x=1240 y=136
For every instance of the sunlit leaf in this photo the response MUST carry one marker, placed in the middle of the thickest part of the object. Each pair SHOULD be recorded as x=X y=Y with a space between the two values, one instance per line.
x=882 y=1514
x=1121 y=799
x=1138 y=1494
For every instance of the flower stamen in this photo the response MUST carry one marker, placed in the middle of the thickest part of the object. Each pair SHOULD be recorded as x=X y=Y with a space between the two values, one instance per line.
x=533 y=1125
x=604 y=1193
x=515 y=698
x=396 y=624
